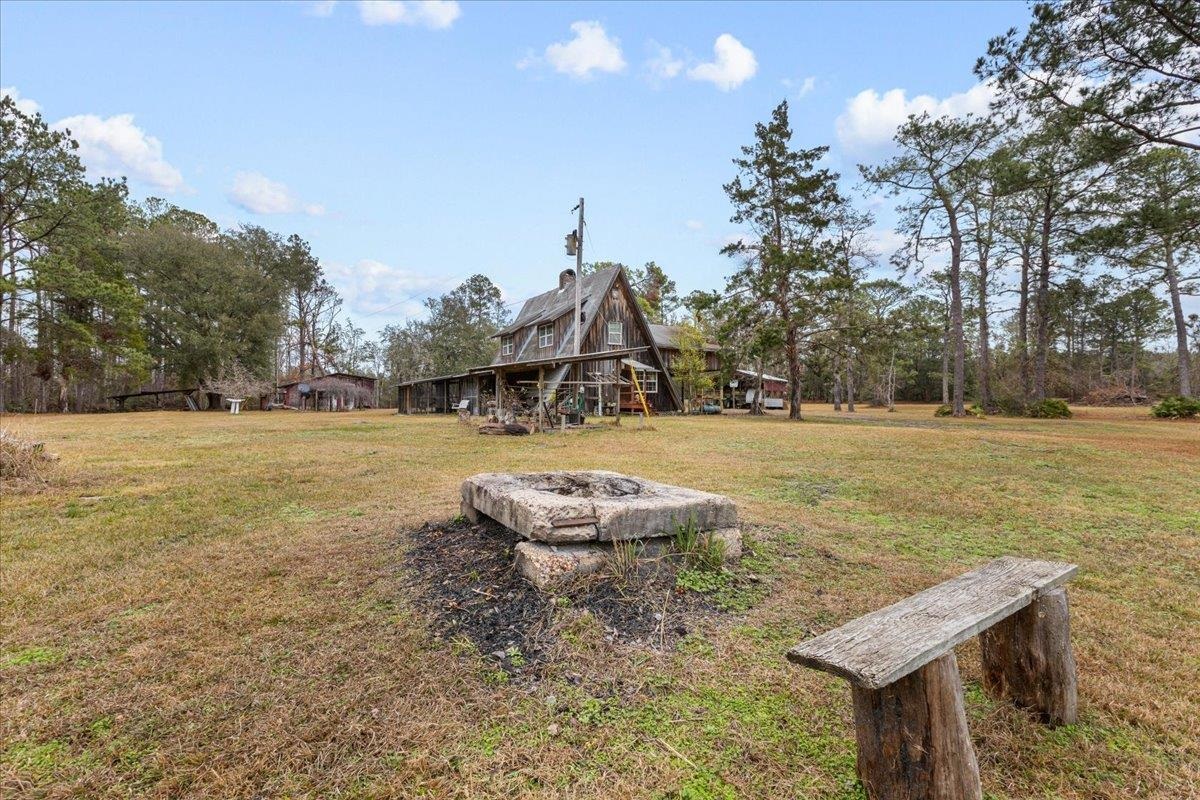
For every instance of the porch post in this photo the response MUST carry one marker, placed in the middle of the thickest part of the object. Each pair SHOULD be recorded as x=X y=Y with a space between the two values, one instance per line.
x=541 y=397
x=499 y=396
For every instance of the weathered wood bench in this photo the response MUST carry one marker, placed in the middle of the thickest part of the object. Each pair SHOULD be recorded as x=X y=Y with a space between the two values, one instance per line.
x=909 y=720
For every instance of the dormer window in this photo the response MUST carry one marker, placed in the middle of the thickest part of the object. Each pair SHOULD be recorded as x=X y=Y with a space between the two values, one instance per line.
x=506 y=345
x=616 y=333
x=545 y=333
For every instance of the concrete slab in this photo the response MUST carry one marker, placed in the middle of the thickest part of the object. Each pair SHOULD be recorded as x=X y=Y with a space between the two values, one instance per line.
x=545 y=565
x=596 y=505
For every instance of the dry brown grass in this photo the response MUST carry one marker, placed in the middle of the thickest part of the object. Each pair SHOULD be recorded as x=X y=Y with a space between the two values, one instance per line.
x=22 y=461
x=210 y=606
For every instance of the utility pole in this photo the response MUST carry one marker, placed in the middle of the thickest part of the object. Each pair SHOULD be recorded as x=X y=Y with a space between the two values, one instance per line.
x=578 y=277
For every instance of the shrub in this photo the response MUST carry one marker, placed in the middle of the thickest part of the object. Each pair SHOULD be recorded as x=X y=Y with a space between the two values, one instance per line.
x=974 y=410
x=1177 y=408
x=1050 y=408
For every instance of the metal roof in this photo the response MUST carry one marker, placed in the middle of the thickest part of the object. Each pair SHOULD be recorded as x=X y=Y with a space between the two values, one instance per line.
x=551 y=305
x=749 y=373
x=600 y=355
x=434 y=378
x=668 y=336
x=638 y=365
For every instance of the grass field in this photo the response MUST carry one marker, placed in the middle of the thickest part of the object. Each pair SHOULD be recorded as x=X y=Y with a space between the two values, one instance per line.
x=206 y=605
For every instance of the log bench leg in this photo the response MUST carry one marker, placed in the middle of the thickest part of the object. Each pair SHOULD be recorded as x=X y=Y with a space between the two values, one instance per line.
x=1027 y=658
x=913 y=742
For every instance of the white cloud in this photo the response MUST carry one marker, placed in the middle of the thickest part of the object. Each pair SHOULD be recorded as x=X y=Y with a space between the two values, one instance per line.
x=436 y=14
x=371 y=287
x=24 y=104
x=320 y=8
x=112 y=147
x=733 y=65
x=871 y=119
x=592 y=50
x=885 y=242
x=694 y=225
x=258 y=194
x=802 y=87
x=663 y=65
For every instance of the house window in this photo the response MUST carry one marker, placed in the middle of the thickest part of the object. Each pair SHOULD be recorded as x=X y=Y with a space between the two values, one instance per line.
x=506 y=345
x=546 y=335
x=649 y=381
x=616 y=333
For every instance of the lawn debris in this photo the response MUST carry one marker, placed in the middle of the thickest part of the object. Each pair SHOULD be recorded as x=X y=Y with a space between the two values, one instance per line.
x=23 y=460
x=503 y=429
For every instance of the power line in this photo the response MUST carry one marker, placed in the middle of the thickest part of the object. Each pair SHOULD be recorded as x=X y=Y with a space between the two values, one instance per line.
x=397 y=303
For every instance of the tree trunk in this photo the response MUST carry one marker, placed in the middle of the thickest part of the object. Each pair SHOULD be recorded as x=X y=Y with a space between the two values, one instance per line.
x=1181 y=332
x=891 y=384
x=1027 y=658
x=64 y=386
x=1043 y=307
x=985 y=350
x=792 y=346
x=850 y=383
x=1023 y=321
x=913 y=742
x=837 y=383
x=946 y=364
x=956 y=320
x=756 y=404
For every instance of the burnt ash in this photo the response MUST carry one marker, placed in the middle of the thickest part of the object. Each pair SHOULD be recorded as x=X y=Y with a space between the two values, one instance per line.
x=463 y=578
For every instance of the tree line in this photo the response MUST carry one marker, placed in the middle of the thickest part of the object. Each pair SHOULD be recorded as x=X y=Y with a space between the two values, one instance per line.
x=100 y=295
x=1048 y=249
x=1052 y=240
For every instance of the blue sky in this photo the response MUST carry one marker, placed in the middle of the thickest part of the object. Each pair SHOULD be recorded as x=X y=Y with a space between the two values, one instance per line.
x=413 y=144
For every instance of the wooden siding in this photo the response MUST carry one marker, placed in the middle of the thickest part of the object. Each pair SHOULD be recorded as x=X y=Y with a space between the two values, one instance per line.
x=712 y=361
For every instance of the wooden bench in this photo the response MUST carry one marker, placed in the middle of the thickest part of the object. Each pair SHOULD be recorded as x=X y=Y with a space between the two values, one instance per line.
x=909 y=720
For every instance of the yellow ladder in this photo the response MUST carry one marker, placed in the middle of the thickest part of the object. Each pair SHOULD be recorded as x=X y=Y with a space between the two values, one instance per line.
x=638 y=388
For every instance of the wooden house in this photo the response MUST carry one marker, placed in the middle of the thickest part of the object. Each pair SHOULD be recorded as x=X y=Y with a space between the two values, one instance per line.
x=535 y=355
x=334 y=391
x=667 y=339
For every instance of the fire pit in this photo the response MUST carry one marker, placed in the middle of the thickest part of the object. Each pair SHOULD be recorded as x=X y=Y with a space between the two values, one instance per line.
x=573 y=518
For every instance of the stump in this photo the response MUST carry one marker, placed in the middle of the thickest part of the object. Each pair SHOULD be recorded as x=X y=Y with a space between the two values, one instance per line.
x=913 y=742
x=1028 y=659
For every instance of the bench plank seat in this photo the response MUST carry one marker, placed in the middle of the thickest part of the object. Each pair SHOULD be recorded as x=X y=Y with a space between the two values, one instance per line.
x=879 y=648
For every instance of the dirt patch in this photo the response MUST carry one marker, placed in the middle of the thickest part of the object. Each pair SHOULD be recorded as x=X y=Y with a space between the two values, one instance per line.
x=462 y=576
